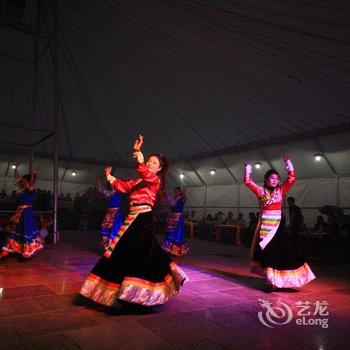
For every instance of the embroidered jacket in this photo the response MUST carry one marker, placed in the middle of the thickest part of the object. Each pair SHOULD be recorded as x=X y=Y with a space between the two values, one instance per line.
x=141 y=191
x=268 y=200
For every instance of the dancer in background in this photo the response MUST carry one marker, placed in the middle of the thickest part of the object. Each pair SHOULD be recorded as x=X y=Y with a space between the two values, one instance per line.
x=113 y=217
x=24 y=237
x=134 y=268
x=273 y=253
x=174 y=242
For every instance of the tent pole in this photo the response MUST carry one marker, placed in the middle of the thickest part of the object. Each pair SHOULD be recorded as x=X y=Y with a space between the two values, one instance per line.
x=205 y=201
x=337 y=189
x=35 y=89
x=238 y=198
x=31 y=157
x=206 y=189
x=55 y=116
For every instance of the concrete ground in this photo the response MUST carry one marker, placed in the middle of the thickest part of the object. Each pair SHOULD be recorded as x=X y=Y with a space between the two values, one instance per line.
x=217 y=309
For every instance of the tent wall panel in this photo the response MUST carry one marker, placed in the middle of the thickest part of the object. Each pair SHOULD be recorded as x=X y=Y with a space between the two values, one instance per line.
x=344 y=191
x=223 y=196
x=315 y=192
x=195 y=196
x=310 y=195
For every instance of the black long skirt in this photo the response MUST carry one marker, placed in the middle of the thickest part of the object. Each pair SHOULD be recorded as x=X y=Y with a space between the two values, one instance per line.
x=134 y=268
x=282 y=261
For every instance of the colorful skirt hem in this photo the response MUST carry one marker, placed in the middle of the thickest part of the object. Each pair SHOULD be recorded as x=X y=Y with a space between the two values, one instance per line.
x=134 y=290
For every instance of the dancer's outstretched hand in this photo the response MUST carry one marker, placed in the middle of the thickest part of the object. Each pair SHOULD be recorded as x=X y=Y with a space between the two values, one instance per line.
x=288 y=162
x=108 y=171
x=286 y=158
x=138 y=143
x=248 y=168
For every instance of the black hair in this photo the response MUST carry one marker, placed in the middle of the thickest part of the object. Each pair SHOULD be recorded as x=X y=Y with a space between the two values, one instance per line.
x=28 y=177
x=163 y=162
x=271 y=172
x=268 y=174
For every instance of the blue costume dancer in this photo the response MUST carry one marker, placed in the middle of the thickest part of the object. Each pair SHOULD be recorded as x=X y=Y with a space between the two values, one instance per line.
x=174 y=242
x=24 y=237
x=113 y=217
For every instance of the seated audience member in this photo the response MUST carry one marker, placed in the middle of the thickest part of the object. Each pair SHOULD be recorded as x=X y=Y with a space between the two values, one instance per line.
x=209 y=217
x=221 y=217
x=240 y=220
x=229 y=220
x=321 y=225
x=216 y=217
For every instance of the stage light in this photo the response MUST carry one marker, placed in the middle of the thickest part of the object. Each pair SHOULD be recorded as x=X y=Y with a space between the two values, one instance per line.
x=257 y=165
x=13 y=166
x=318 y=157
x=181 y=176
x=212 y=172
x=74 y=173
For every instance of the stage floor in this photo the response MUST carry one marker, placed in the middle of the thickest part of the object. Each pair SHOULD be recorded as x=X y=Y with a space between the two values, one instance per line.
x=217 y=309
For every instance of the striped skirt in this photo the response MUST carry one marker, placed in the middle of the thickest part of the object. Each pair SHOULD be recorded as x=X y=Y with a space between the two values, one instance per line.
x=280 y=260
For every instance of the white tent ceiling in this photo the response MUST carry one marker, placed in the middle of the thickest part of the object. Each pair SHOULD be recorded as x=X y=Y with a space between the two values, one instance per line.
x=197 y=78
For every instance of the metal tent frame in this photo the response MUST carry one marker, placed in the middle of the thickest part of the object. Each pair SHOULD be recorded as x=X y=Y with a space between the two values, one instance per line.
x=44 y=10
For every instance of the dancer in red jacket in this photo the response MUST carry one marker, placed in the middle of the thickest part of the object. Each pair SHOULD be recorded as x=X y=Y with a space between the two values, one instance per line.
x=134 y=268
x=273 y=253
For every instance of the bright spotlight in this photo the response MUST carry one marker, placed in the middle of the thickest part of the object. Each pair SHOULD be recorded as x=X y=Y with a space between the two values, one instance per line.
x=318 y=157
